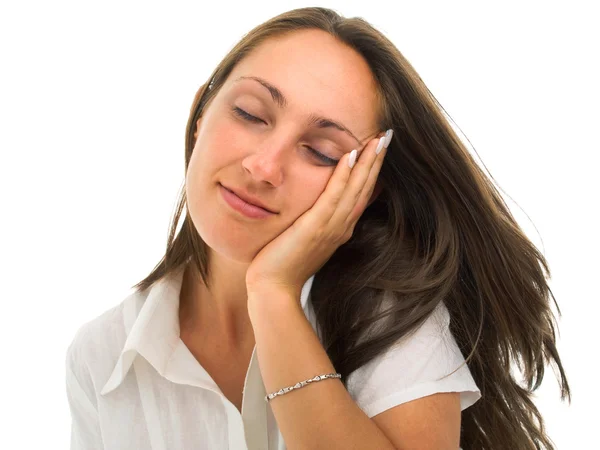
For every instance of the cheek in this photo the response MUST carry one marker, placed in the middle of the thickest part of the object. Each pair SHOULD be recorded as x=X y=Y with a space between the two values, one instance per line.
x=192 y=184
x=222 y=145
x=200 y=175
x=306 y=193
x=197 y=162
x=209 y=153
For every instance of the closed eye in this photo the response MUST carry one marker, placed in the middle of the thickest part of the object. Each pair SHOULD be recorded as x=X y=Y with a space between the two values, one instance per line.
x=243 y=114
x=250 y=118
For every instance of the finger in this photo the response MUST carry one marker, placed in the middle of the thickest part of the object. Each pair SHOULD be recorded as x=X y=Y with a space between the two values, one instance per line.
x=357 y=184
x=367 y=191
x=327 y=203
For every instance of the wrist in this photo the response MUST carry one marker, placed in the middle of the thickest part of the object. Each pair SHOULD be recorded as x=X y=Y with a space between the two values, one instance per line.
x=272 y=303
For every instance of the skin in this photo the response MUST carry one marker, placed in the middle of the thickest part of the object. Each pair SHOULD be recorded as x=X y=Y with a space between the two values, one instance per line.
x=317 y=75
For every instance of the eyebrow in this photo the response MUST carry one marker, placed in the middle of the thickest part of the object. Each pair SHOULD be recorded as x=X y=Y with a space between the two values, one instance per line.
x=282 y=102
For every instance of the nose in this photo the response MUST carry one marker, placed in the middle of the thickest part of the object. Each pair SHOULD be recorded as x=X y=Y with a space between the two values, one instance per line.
x=266 y=163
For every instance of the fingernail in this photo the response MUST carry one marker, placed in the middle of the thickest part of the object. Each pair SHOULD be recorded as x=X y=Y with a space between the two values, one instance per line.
x=352 y=158
x=380 y=144
x=388 y=137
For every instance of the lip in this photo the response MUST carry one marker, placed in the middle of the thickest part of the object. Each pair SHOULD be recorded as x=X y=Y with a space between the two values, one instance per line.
x=242 y=206
x=249 y=198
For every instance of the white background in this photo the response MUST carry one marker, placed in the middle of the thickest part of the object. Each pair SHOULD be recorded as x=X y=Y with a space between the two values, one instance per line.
x=94 y=99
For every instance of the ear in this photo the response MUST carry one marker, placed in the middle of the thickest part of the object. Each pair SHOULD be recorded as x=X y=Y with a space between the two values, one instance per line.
x=198 y=122
x=376 y=191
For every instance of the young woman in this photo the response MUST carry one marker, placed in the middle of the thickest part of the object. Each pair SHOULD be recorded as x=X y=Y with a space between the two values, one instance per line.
x=345 y=275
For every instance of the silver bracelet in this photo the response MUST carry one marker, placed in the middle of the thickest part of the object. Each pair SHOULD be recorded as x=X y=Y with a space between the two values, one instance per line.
x=301 y=384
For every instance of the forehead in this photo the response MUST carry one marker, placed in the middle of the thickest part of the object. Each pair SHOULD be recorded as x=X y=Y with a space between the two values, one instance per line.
x=318 y=75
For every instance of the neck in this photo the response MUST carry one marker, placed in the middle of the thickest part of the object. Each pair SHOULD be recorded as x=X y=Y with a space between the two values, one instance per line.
x=219 y=315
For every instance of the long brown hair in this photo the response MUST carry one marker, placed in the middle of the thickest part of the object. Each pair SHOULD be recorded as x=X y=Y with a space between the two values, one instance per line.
x=439 y=230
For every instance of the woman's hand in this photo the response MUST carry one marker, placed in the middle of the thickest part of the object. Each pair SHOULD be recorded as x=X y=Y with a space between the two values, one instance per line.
x=302 y=249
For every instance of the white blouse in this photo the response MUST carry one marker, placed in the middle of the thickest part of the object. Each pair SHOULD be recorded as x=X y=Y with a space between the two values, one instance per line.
x=133 y=384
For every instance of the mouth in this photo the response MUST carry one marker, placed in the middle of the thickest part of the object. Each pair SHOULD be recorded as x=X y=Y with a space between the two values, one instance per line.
x=248 y=199
x=242 y=206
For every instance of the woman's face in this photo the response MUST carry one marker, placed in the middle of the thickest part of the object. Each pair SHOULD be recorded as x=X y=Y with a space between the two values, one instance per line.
x=271 y=158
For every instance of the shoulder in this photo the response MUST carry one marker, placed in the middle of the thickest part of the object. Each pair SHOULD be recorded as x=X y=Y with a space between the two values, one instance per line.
x=416 y=348
x=423 y=362
x=98 y=342
x=90 y=333
x=434 y=329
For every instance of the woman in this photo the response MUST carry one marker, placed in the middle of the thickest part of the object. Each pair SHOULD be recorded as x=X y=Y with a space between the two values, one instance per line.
x=381 y=277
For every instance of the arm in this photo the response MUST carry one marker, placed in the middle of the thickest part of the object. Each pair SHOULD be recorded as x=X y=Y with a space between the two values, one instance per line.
x=427 y=423
x=85 y=426
x=323 y=415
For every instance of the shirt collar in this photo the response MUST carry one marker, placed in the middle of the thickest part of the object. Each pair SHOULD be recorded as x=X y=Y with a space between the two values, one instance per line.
x=152 y=326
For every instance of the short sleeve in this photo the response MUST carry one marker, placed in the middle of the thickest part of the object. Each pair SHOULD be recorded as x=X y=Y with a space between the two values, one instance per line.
x=418 y=365
x=85 y=426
